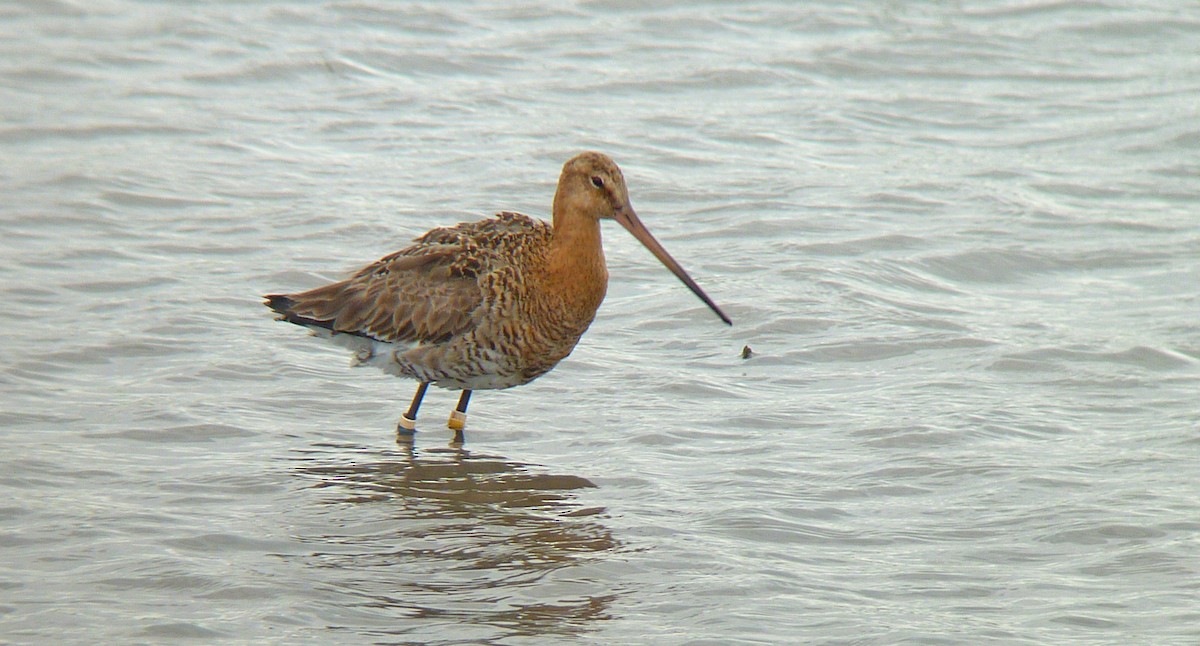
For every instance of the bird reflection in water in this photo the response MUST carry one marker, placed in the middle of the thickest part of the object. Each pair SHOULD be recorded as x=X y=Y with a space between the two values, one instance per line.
x=445 y=542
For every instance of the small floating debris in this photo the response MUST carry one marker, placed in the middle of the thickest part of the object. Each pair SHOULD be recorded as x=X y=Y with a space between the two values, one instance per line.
x=747 y=352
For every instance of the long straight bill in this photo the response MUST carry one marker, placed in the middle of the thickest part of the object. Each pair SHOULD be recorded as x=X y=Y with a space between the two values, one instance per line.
x=632 y=224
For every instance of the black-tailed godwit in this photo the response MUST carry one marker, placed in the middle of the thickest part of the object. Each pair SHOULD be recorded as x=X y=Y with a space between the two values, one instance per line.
x=483 y=305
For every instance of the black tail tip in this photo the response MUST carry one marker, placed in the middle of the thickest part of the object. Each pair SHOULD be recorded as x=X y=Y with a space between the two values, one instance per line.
x=281 y=303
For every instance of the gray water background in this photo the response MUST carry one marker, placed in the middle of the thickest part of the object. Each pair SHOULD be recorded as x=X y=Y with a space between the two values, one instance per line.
x=962 y=240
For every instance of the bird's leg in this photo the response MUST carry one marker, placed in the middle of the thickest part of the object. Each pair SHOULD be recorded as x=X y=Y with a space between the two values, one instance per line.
x=408 y=421
x=458 y=417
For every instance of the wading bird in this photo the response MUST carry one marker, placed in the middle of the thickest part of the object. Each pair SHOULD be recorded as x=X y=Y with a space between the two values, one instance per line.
x=483 y=305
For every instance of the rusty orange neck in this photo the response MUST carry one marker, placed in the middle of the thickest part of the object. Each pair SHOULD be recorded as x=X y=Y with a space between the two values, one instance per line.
x=578 y=276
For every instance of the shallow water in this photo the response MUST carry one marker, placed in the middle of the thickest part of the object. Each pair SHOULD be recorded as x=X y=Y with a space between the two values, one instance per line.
x=962 y=242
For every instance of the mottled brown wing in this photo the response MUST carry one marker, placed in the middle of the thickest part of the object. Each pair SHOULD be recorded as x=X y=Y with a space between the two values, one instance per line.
x=416 y=295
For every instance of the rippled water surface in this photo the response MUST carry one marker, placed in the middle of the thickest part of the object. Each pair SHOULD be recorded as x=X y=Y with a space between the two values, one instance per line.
x=962 y=241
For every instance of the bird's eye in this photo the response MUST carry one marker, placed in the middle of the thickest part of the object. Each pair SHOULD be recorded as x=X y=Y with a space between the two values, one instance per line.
x=597 y=181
